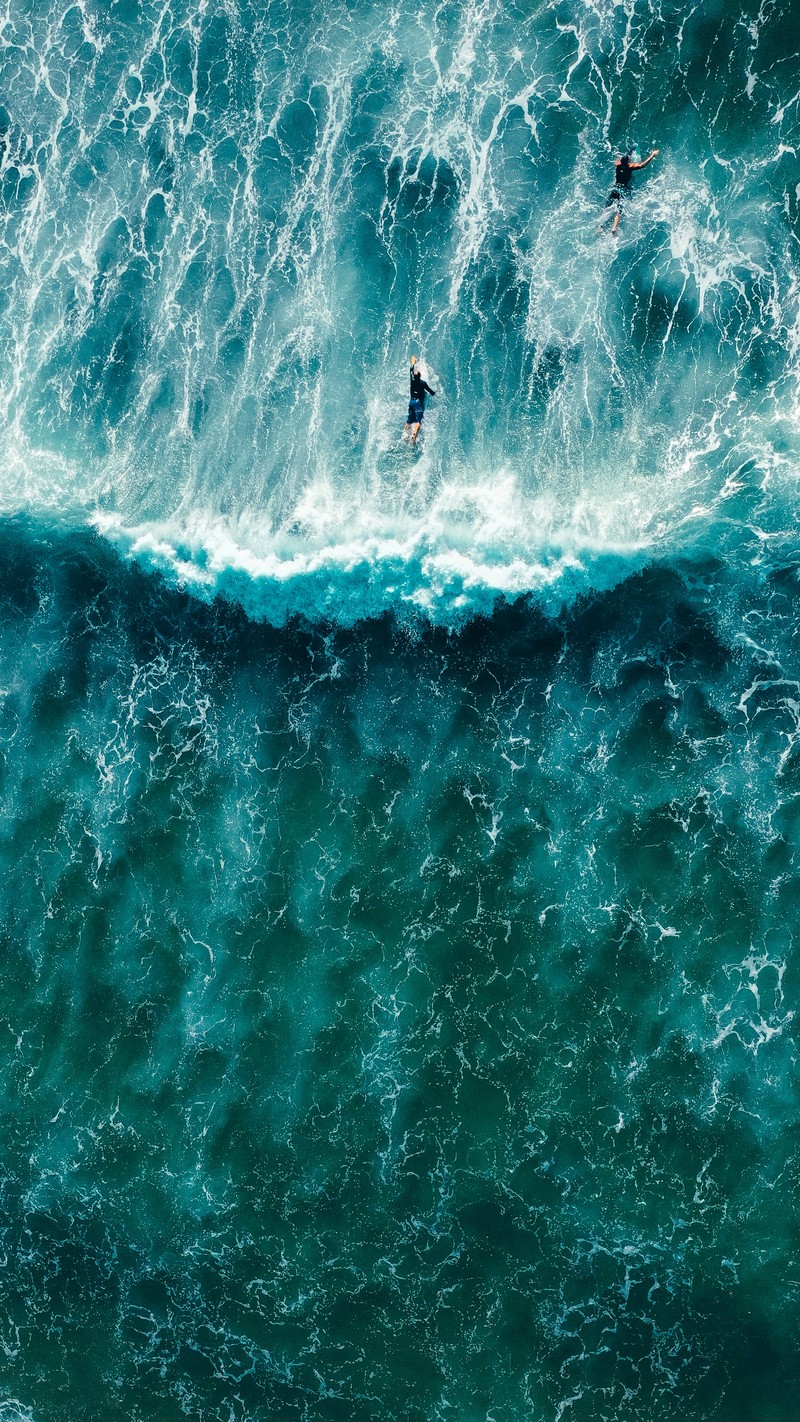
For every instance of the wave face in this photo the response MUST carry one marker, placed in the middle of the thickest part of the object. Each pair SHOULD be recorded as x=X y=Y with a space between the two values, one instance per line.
x=226 y=227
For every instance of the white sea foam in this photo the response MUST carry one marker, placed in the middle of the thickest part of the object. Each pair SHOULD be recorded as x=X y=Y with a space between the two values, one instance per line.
x=207 y=322
x=473 y=546
x=11 y=1410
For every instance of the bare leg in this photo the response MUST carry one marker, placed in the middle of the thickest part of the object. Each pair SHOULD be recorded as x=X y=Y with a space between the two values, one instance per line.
x=414 y=433
x=406 y=430
x=616 y=221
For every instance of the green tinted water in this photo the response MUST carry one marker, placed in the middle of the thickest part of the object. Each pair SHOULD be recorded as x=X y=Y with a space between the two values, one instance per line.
x=394 y=1027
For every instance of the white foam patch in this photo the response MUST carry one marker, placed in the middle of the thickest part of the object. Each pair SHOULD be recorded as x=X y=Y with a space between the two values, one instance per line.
x=472 y=546
x=11 y=1410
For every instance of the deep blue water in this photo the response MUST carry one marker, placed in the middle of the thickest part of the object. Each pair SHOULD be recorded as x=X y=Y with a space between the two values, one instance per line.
x=399 y=892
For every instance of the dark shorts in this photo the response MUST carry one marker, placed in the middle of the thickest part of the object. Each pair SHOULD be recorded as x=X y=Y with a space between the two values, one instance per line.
x=614 y=196
x=415 y=412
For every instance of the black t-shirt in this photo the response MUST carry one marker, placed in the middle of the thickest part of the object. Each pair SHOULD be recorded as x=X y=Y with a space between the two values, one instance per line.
x=419 y=386
x=624 y=172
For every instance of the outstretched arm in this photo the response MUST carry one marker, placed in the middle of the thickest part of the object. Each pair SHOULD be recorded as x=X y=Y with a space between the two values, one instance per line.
x=427 y=387
x=647 y=160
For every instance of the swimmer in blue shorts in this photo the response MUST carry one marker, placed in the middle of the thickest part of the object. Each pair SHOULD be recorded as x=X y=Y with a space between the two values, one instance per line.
x=416 y=404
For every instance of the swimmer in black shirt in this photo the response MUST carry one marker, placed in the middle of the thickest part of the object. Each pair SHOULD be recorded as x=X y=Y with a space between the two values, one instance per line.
x=623 y=172
x=624 y=168
x=416 y=403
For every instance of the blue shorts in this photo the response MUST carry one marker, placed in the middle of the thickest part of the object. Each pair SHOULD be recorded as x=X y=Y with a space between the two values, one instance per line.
x=415 y=412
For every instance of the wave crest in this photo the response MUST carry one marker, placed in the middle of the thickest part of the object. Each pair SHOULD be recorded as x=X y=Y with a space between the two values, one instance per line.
x=452 y=562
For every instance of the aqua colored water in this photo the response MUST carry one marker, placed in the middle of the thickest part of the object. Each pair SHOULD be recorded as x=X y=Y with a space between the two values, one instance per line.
x=400 y=851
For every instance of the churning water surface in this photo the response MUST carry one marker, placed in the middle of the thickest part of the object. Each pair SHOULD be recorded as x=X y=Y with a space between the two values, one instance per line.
x=397 y=847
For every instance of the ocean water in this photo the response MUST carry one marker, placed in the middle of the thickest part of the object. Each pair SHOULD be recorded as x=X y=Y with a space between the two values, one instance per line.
x=400 y=850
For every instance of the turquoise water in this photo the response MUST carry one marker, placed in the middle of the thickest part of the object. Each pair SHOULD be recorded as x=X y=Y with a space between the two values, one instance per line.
x=398 y=849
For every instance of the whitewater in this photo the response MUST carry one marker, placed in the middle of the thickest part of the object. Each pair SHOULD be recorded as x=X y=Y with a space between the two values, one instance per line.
x=224 y=232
